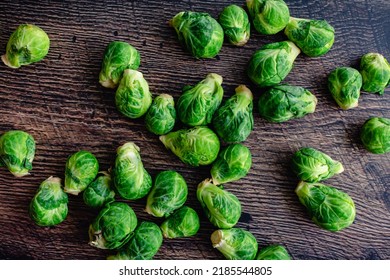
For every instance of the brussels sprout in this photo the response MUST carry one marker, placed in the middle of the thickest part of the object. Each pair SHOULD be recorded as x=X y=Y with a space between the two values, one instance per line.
x=143 y=245
x=118 y=56
x=328 y=207
x=49 y=206
x=375 y=70
x=196 y=106
x=113 y=226
x=232 y=163
x=199 y=33
x=270 y=64
x=131 y=180
x=312 y=166
x=285 y=102
x=161 y=116
x=17 y=151
x=222 y=208
x=233 y=121
x=235 y=24
x=344 y=84
x=27 y=44
x=168 y=194
x=375 y=135
x=235 y=243
x=99 y=192
x=268 y=16
x=80 y=170
x=194 y=146
x=133 y=98
x=313 y=37
x=273 y=253
x=184 y=222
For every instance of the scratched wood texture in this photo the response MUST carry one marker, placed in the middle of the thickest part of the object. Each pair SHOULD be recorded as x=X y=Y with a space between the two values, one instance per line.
x=60 y=102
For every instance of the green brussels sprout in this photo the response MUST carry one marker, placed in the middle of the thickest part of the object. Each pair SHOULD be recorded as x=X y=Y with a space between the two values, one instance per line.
x=273 y=253
x=161 y=116
x=313 y=37
x=375 y=135
x=235 y=24
x=344 y=84
x=268 y=16
x=270 y=64
x=118 y=56
x=222 y=208
x=131 y=180
x=17 y=151
x=49 y=206
x=168 y=194
x=80 y=170
x=99 y=192
x=27 y=44
x=196 y=106
x=113 y=227
x=235 y=243
x=285 y=102
x=132 y=97
x=199 y=33
x=194 y=146
x=143 y=245
x=184 y=222
x=312 y=166
x=328 y=207
x=233 y=121
x=375 y=70
x=232 y=163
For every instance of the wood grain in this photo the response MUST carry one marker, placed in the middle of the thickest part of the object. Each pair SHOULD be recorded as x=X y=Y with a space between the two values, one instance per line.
x=60 y=102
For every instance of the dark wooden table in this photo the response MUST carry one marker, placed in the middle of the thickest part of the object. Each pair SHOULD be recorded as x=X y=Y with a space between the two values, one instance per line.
x=60 y=102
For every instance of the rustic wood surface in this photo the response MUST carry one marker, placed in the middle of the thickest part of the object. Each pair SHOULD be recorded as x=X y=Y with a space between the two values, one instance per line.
x=60 y=102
